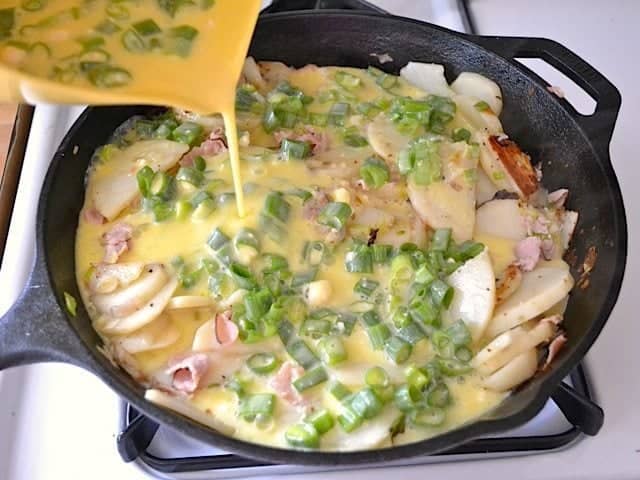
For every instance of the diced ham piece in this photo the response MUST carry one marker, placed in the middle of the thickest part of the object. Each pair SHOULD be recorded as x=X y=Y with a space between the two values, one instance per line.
x=213 y=145
x=558 y=197
x=528 y=253
x=554 y=347
x=318 y=140
x=553 y=319
x=187 y=371
x=540 y=226
x=116 y=241
x=282 y=383
x=93 y=216
x=226 y=329
x=312 y=207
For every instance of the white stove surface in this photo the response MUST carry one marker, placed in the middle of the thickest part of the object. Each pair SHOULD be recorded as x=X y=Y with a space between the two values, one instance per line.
x=59 y=422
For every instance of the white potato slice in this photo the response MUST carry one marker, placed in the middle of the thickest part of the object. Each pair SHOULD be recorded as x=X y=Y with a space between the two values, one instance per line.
x=209 y=122
x=183 y=407
x=274 y=72
x=507 y=346
x=480 y=87
x=486 y=121
x=205 y=337
x=373 y=433
x=507 y=166
x=107 y=277
x=116 y=186
x=485 y=189
x=251 y=73
x=428 y=77
x=501 y=218
x=558 y=308
x=474 y=297
x=515 y=372
x=149 y=312
x=541 y=288
x=127 y=300
x=158 y=334
x=385 y=139
x=189 y=301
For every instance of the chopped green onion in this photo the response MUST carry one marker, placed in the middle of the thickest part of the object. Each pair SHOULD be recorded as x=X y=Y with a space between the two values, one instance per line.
x=310 y=379
x=416 y=377
x=377 y=377
x=301 y=193
x=318 y=119
x=242 y=276
x=386 y=81
x=439 y=396
x=301 y=353
x=257 y=304
x=401 y=270
x=427 y=416
x=345 y=323
x=133 y=42
x=371 y=318
x=262 y=363
x=411 y=333
x=381 y=253
x=246 y=239
x=464 y=354
x=71 y=304
x=397 y=349
x=259 y=404
x=441 y=293
x=302 y=435
x=332 y=350
x=160 y=184
x=33 y=5
x=321 y=420
x=424 y=275
x=107 y=76
x=465 y=251
x=374 y=172
x=294 y=149
x=315 y=327
x=217 y=240
x=146 y=27
x=400 y=317
x=347 y=80
x=316 y=252
x=359 y=259
x=378 y=335
x=349 y=420
x=440 y=240
x=183 y=209
x=352 y=138
x=482 y=106
x=200 y=163
x=117 y=12
x=144 y=177
x=453 y=368
x=273 y=263
x=302 y=278
x=423 y=312
x=338 y=113
x=407 y=397
x=276 y=207
x=108 y=27
x=236 y=385
x=187 y=132
x=335 y=215
x=461 y=135
x=442 y=343
x=365 y=287
x=338 y=390
x=366 y=403
x=459 y=333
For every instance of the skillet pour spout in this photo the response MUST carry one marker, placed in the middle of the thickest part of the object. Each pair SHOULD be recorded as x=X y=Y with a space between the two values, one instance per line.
x=573 y=148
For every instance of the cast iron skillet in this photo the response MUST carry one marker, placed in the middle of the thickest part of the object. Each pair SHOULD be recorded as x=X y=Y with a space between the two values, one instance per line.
x=573 y=148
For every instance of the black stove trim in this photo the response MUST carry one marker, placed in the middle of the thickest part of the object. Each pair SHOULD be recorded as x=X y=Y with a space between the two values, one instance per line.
x=138 y=431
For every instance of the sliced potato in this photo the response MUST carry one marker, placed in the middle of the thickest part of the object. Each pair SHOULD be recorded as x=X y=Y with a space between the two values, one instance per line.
x=486 y=121
x=508 y=167
x=274 y=72
x=428 y=77
x=501 y=218
x=480 y=87
x=515 y=372
x=474 y=297
x=385 y=139
x=145 y=315
x=251 y=73
x=189 y=301
x=158 y=334
x=127 y=300
x=485 y=189
x=508 y=345
x=107 y=277
x=541 y=288
x=558 y=308
x=373 y=433
x=116 y=187
x=209 y=122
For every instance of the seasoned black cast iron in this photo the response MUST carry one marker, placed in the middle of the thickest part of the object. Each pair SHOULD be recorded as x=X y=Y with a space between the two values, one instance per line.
x=574 y=150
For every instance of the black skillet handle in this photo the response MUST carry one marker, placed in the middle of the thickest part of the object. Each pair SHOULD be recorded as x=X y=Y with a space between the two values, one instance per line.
x=579 y=410
x=598 y=126
x=36 y=329
x=278 y=6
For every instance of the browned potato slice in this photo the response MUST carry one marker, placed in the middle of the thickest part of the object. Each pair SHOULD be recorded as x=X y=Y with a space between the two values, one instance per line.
x=515 y=163
x=508 y=283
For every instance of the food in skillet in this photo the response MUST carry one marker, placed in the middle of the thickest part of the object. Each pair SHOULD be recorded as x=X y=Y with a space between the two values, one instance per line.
x=398 y=272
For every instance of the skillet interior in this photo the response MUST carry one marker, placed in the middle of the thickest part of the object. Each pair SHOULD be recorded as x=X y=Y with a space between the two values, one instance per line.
x=533 y=117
